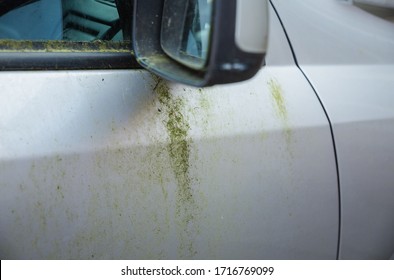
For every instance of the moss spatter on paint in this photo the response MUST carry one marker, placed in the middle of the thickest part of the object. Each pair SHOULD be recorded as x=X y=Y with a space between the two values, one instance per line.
x=63 y=46
x=178 y=128
x=276 y=93
x=280 y=107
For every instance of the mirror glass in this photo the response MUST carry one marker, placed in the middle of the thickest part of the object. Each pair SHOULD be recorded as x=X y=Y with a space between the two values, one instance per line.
x=186 y=31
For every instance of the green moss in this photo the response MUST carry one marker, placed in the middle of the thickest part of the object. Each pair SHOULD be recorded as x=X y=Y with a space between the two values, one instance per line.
x=280 y=107
x=204 y=103
x=277 y=95
x=63 y=46
x=178 y=128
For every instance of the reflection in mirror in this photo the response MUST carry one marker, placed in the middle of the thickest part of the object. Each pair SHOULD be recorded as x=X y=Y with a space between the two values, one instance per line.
x=186 y=31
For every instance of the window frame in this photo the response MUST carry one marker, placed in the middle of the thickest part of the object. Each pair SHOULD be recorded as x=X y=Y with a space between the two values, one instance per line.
x=65 y=55
x=25 y=55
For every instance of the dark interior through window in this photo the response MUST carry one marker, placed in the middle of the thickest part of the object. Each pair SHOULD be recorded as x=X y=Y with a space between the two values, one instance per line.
x=67 y=20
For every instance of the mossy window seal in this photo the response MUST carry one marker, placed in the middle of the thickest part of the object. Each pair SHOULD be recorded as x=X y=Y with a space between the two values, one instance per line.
x=65 y=55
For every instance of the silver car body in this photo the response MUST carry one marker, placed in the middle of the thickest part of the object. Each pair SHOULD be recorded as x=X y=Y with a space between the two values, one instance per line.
x=294 y=164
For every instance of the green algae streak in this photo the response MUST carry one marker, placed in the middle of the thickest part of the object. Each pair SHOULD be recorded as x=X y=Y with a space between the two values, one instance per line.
x=179 y=146
x=63 y=46
x=280 y=107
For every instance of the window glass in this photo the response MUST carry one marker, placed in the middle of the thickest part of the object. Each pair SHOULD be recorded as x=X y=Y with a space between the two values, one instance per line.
x=66 y=20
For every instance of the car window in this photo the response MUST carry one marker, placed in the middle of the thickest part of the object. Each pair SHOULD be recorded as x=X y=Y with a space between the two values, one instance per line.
x=65 y=26
x=69 y=20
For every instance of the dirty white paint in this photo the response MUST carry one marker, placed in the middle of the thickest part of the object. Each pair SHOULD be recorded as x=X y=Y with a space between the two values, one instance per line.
x=98 y=164
x=86 y=167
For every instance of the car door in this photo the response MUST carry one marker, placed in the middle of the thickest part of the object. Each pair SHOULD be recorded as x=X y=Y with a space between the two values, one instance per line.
x=120 y=164
x=349 y=58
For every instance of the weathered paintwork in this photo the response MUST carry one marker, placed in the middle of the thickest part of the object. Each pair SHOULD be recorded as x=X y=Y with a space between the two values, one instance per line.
x=122 y=165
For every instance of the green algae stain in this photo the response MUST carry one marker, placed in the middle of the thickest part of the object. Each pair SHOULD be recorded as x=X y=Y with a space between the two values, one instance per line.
x=204 y=102
x=281 y=109
x=277 y=95
x=203 y=113
x=179 y=147
x=63 y=46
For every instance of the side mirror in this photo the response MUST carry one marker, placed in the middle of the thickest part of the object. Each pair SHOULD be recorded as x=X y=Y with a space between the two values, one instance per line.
x=201 y=42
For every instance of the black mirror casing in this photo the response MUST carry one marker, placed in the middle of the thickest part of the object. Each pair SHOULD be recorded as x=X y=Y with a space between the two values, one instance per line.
x=226 y=62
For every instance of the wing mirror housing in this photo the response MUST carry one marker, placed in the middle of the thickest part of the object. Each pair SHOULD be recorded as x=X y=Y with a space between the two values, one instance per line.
x=201 y=42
